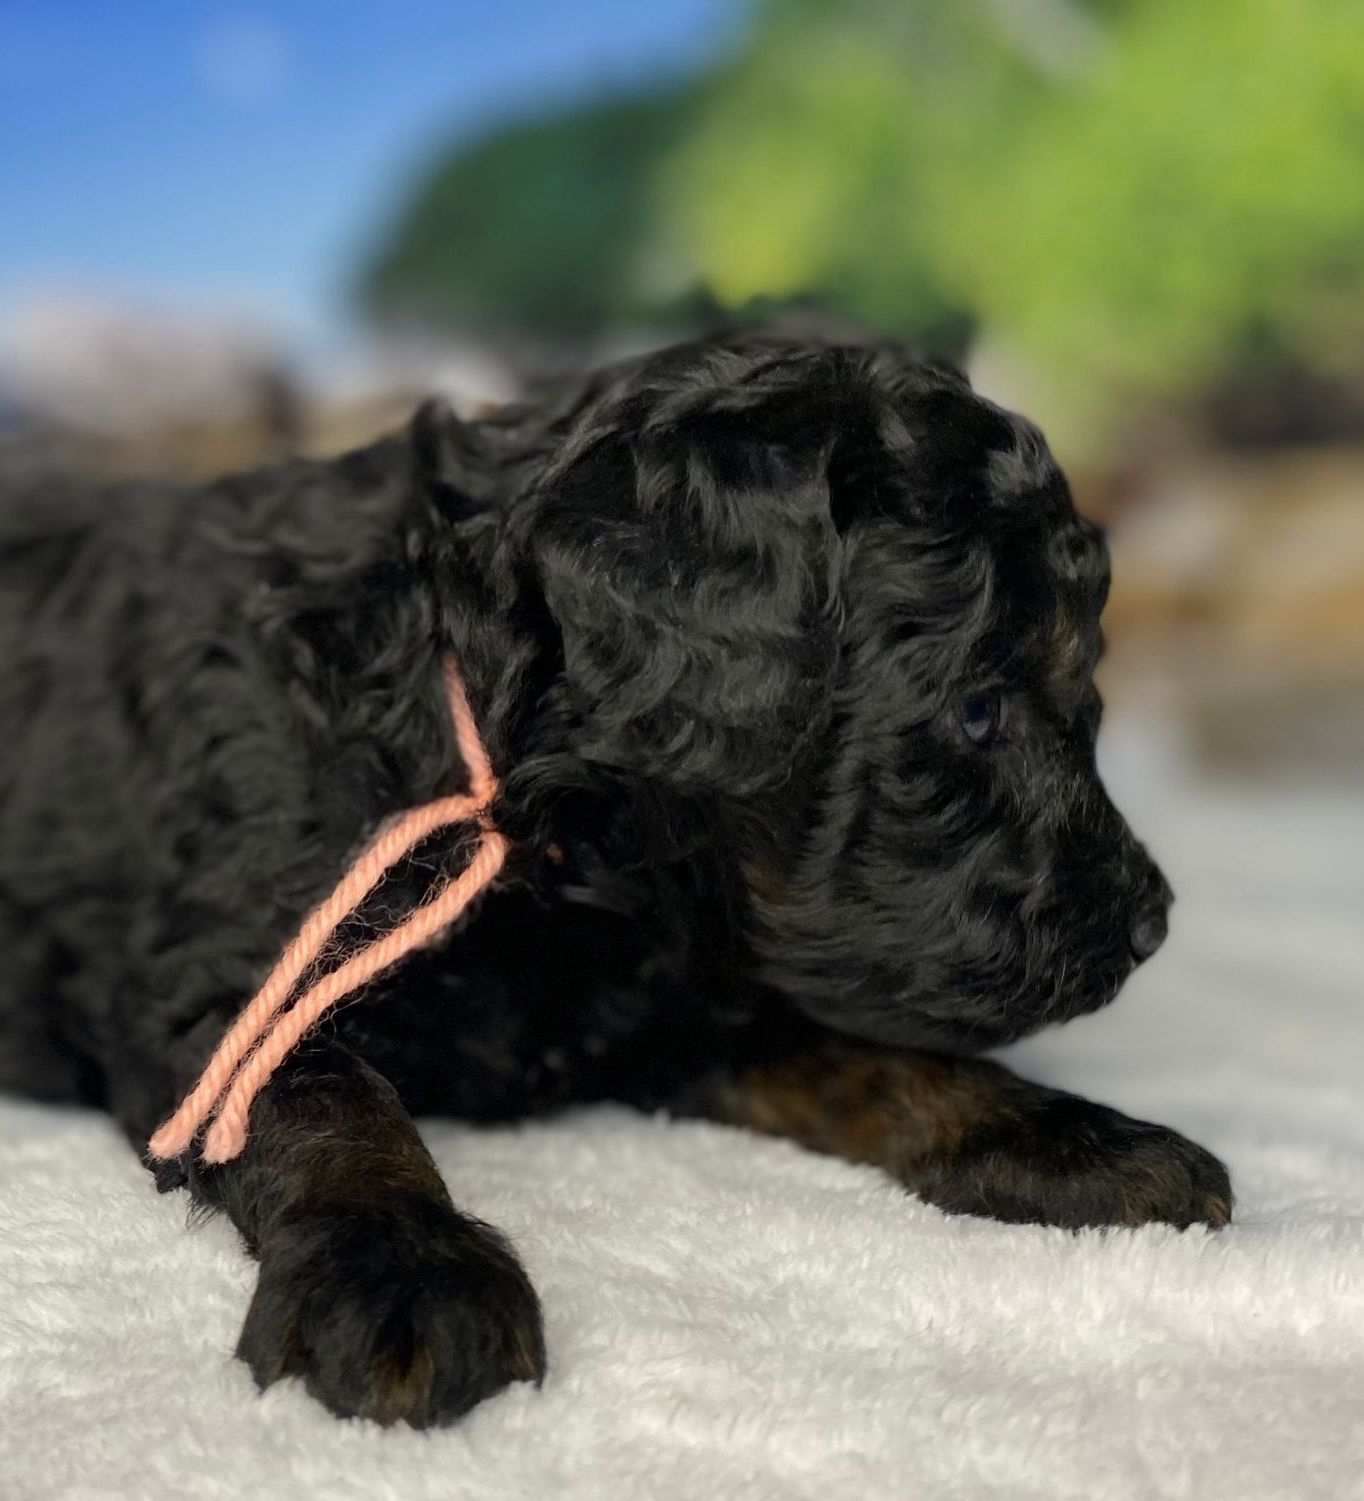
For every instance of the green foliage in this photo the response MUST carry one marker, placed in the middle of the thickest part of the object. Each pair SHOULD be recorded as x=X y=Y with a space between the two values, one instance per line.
x=538 y=229
x=816 y=166
x=1127 y=194
x=1200 y=189
x=1131 y=195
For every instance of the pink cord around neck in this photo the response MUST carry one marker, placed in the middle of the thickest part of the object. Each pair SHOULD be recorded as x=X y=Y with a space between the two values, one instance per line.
x=260 y=1039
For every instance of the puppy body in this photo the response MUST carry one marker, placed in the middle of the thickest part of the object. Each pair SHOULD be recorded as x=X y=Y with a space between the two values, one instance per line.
x=783 y=653
x=214 y=697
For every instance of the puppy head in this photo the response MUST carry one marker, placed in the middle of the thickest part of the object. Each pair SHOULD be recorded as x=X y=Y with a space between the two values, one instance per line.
x=964 y=878
x=831 y=602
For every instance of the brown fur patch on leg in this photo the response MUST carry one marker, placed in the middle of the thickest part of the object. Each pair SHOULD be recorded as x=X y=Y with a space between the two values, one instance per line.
x=891 y=1110
x=971 y=1137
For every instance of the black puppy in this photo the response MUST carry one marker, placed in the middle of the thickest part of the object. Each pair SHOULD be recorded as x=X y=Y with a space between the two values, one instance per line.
x=783 y=652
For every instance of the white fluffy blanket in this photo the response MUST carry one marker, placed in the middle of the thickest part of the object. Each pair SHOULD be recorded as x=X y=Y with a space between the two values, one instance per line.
x=729 y=1317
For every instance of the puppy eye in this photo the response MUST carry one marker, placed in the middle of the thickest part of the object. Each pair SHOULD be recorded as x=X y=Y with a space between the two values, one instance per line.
x=980 y=715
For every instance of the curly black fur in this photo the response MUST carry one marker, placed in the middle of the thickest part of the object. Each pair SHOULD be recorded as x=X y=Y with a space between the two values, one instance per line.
x=784 y=651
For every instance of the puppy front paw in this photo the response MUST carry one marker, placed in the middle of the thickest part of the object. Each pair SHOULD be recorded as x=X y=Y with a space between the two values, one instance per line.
x=412 y=1315
x=1064 y=1161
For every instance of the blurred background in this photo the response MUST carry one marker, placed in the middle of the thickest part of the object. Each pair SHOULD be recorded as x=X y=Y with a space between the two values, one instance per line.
x=234 y=232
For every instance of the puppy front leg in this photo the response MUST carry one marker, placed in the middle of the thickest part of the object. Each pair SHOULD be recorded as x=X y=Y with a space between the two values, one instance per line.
x=373 y=1288
x=969 y=1136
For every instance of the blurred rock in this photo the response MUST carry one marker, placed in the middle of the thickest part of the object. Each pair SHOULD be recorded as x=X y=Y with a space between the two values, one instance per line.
x=128 y=390
x=1240 y=577
x=112 y=367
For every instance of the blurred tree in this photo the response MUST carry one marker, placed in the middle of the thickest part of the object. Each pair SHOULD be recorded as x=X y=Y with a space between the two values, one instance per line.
x=1193 y=200
x=1135 y=197
x=819 y=163
x=541 y=229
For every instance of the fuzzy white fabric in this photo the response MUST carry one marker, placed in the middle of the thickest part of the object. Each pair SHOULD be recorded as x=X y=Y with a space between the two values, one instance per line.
x=729 y=1317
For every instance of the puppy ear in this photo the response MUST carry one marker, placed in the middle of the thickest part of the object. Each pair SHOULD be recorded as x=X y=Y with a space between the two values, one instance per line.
x=449 y=460
x=691 y=566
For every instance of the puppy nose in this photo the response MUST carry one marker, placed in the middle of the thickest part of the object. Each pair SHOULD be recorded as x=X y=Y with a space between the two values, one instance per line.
x=1148 y=930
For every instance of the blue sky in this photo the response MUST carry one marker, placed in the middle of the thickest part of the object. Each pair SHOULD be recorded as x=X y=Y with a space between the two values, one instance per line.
x=242 y=157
